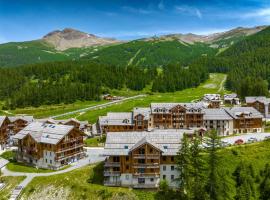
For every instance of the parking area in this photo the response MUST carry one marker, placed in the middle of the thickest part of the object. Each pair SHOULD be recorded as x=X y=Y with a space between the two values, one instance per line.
x=247 y=138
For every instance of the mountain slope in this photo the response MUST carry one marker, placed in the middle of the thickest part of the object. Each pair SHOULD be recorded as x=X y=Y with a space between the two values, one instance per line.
x=151 y=53
x=70 y=38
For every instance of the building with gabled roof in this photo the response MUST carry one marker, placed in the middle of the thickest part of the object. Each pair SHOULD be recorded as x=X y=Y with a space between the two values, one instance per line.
x=245 y=119
x=140 y=159
x=231 y=99
x=49 y=145
x=18 y=122
x=213 y=100
x=260 y=103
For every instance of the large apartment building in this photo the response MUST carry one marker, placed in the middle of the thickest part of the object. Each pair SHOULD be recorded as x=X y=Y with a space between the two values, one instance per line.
x=260 y=103
x=49 y=145
x=176 y=115
x=245 y=119
x=141 y=159
x=17 y=123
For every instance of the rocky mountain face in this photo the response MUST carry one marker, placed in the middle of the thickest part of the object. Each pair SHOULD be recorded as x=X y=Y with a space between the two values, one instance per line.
x=71 y=38
x=191 y=38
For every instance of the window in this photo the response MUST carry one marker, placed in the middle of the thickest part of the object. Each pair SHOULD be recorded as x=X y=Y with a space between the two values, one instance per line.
x=126 y=147
x=141 y=151
x=164 y=158
x=127 y=177
x=152 y=179
x=50 y=153
x=172 y=177
x=172 y=159
x=50 y=161
x=127 y=158
x=142 y=161
x=46 y=160
x=127 y=167
x=165 y=147
x=164 y=177
x=172 y=168
x=164 y=168
x=151 y=150
x=152 y=160
x=141 y=180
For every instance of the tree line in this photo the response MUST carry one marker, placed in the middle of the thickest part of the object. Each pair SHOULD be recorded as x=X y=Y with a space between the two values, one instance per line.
x=66 y=82
x=203 y=177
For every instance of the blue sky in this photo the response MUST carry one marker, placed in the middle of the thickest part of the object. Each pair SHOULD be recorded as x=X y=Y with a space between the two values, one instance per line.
x=22 y=20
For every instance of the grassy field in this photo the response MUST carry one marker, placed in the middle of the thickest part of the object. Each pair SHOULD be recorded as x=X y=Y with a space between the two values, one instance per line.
x=47 y=111
x=95 y=142
x=86 y=183
x=213 y=85
x=11 y=183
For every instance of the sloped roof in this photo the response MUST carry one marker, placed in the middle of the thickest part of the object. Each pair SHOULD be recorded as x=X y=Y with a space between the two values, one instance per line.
x=2 y=119
x=261 y=99
x=166 y=107
x=216 y=114
x=121 y=143
x=230 y=96
x=116 y=118
x=44 y=133
x=27 y=118
x=143 y=111
x=248 y=112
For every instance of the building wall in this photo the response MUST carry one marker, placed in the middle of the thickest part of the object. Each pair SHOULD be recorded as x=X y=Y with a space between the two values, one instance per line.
x=169 y=173
x=223 y=127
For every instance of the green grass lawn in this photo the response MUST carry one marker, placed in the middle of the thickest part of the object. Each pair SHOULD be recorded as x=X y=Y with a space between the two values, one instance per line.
x=210 y=86
x=20 y=167
x=95 y=142
x=86 y=183
x=11 y=183
x=47 y=111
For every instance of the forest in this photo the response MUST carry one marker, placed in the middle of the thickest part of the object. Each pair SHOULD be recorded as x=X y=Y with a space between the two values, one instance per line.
x=67 y=82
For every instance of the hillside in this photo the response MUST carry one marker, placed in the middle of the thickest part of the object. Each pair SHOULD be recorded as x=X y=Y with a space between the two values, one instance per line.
x=70 y=44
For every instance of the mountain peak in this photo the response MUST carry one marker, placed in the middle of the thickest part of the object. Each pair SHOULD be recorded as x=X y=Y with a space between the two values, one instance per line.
x=72 y=38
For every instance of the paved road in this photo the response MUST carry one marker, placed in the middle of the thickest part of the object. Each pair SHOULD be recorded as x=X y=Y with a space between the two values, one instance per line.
x=245 y=137
x=94 y=156
x=99 y=106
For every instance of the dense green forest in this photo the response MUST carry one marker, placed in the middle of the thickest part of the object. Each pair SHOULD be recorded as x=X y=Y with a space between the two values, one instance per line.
x=66 y=82
x=152 y=53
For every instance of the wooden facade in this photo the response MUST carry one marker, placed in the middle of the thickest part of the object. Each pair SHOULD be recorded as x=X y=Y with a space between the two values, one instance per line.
x=260 y=106
x=18 y=125
x=4 y=128
x=178 y=118
x=68 y=149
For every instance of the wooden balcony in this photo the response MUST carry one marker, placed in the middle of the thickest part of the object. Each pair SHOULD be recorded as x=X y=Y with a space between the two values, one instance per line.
x=66 y=156
x=146 y=175
x=146 y=165
x=112 y=164
x=111 y=173
x=69 y=148
x=146 y=156
x=72 y=140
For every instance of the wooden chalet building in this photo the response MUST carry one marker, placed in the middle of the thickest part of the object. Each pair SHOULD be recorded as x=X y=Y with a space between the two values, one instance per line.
x=4 y=134
x=17 y=123
x=49 y=146
x=245 y=119
x=213 y=100
x=141 y=159
x=176 y=115
x=260 y=103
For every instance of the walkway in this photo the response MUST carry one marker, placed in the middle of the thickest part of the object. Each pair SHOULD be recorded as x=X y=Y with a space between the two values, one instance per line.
x=221 y=86
x=104 y=105
x=94 y=156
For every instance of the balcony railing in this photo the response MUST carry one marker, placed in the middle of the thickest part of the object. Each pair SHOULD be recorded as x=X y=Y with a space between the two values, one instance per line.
x=112 y=183
x=69 y=148
x=72 y=140
x=112 y=164
x=147 y=156
x=146 y=165
x=112 y=173
x=60 y=158
x=144 y=175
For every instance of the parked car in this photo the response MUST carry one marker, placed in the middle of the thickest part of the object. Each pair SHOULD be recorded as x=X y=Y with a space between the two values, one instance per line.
x=239 y=141
x=252 y=139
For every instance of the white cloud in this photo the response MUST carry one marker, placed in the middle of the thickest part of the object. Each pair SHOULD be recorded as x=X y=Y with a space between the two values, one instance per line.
x=262 y=14
x=188 y=10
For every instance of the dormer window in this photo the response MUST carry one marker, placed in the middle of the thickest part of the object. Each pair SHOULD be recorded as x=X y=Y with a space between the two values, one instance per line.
x=165 y=147
x=126 y=147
